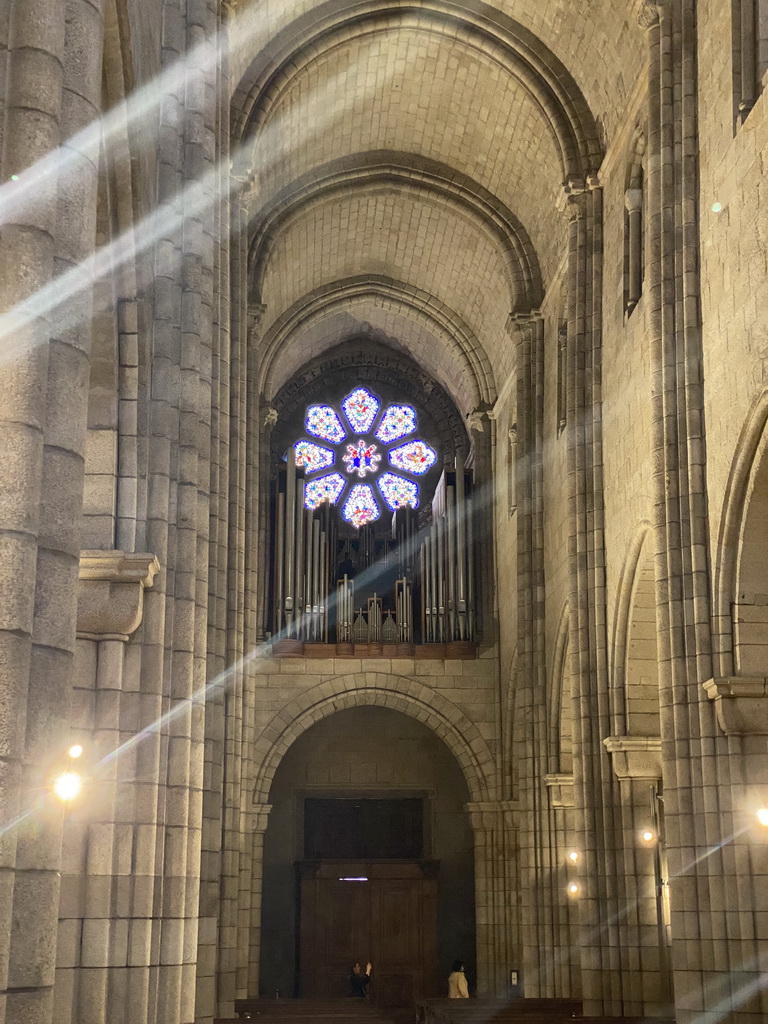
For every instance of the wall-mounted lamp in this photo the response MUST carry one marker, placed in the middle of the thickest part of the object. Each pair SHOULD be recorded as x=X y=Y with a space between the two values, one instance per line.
x=648 y=836
x=762 y=816
x=573 y=890
x=574 y=856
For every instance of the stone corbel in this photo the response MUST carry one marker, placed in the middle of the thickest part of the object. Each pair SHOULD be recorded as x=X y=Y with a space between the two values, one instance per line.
x=635 y=757
x=111 y=589
x=559 y=790
x=741 y=704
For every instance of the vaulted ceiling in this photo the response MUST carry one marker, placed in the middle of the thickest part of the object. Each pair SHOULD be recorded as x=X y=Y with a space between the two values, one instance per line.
x=410 y=160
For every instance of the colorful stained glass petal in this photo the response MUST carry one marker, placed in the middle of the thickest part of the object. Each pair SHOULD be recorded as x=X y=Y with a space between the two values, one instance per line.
x=361 y=506
x=397 y=422
x=324 y=488
x=361 y=458
x=398 y=492
x=323 y=421
x=414 y=457
x=360 y=408
x=313 y=456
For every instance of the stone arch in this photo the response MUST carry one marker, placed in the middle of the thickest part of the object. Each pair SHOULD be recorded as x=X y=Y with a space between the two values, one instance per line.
x=400 y=693
x=523 y=54
x=560 y=710
x=475 y=367
x=741 y=572
x=635 y=684
x=371 y=171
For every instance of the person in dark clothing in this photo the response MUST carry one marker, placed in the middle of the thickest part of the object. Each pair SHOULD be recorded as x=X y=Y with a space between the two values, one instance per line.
x=360 y=979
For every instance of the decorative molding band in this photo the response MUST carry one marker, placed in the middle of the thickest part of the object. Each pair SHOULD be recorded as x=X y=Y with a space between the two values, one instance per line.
x=559 y=790
x=111 y=589
x=635 y=757
x=740 y=704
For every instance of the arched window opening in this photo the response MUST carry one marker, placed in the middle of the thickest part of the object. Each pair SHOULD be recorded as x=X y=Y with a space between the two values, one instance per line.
x=373 y=537
x=750 y=606
x=750 y=38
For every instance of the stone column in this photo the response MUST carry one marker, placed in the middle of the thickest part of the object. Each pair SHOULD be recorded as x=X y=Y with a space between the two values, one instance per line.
x=717 y=861
x=97 y=940
x=596 y=799
x=495 y=831
x=52 y=90
x=637 y=764
x=566 y=960
x=531 y=738
x=257 y=818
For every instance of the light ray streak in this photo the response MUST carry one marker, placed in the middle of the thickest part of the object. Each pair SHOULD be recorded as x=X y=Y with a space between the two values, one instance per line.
x=191 y=202
x=248 y=31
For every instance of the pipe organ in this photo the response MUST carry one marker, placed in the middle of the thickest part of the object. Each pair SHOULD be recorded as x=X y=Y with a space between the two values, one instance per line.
x=387 y=582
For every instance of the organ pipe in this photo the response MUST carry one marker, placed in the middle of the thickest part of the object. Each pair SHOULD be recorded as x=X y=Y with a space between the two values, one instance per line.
x=290 y=540
x=461 y=549
x=440 y=558
x=279 y=560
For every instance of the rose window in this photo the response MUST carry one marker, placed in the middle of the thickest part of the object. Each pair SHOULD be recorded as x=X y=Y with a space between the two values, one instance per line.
x=362 y=446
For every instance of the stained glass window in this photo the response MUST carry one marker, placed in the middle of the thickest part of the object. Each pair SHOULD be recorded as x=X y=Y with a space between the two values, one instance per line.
x=324 y=488
x=398 y=492
x=313 y=456
x=360 y=408
x=361 y=506
x=364 y=436
x=323 y=421
x=414 y=457
x=362 y=458
x=397 y=421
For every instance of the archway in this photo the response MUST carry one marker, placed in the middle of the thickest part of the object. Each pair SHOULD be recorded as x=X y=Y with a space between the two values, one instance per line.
x=374 y=769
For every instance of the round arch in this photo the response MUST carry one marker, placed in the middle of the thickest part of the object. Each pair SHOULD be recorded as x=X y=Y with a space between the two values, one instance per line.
x=372 y=171
x=400 y=693
x=444 y=323
x=523 y=54
x=751 y=454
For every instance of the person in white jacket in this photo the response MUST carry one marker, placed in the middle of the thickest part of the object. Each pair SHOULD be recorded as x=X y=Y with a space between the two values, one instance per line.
x=457 y=982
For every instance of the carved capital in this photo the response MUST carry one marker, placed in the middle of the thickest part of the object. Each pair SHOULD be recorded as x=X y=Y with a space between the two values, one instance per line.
x=111 y=589
x=475 y=420
x=635 y=757
x=489 y=815
x=633 y=200
x=648 y=13
x=259 y=817
x=518 y=323
x=559 y=790
x=741 y=704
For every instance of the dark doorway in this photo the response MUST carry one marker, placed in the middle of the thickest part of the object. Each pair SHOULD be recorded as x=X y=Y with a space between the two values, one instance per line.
x=385 y=912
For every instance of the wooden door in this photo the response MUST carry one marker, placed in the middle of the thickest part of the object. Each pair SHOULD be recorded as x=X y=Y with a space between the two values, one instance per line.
x=391 y=919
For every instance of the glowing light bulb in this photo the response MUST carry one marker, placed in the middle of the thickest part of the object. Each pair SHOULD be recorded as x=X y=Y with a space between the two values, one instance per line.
x=573 y=889
x=573 y=856
x=67 y=786
x=648 y=835
x=75 y=751
x=762 y=816
x=717 y=207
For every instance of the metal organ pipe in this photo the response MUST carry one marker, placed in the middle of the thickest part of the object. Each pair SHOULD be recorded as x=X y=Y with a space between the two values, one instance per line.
x=290 y=527
x=450 y=526
x=300 y=567
x=461 y=549
x=280 y=559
